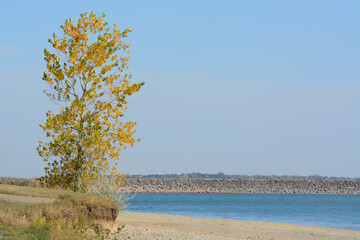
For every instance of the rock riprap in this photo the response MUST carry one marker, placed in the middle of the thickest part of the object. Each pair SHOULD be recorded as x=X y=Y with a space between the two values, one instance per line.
x=169 y=185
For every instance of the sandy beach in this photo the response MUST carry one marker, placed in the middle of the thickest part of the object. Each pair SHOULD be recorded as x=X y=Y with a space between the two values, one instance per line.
x=161 y=226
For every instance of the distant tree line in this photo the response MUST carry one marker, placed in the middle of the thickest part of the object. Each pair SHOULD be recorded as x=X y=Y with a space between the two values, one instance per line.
x=221 y=175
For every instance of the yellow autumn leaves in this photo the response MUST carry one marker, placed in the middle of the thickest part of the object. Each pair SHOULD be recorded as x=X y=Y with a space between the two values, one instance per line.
x=86 y=79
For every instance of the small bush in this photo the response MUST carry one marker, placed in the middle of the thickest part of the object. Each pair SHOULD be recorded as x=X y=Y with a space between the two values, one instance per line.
x=108 y=187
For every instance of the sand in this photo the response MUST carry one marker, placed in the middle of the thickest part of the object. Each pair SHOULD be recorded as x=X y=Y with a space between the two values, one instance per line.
x=161 y=226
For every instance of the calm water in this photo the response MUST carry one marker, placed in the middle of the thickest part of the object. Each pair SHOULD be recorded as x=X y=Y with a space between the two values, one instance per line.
x=336 y=211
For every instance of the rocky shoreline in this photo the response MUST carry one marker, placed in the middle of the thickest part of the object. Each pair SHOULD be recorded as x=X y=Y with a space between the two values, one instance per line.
x=168 y=185
x=173 y=185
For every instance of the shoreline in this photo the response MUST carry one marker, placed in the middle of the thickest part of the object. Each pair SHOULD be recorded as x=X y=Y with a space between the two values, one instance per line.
x=202 y=185
x=218 y=192
x=250 y=221
x=173 y=185
x=164 y=226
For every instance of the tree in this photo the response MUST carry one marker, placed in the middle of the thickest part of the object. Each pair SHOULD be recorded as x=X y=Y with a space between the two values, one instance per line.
x=87 y=79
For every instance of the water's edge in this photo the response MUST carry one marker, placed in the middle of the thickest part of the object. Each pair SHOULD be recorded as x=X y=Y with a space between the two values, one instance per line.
x=332 y=211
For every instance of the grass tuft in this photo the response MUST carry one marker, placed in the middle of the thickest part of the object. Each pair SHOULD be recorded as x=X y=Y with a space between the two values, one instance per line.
x=71 y=215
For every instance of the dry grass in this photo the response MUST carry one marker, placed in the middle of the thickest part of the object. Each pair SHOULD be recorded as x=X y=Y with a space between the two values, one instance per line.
x=31 y=182
x=72 y=214
x=80 y=198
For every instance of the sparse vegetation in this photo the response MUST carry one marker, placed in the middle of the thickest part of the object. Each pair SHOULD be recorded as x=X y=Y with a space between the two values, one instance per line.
x=71 y=216
x=108 y=188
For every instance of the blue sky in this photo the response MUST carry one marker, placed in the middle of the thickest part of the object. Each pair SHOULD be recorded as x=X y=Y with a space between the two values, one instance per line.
x=241 y=87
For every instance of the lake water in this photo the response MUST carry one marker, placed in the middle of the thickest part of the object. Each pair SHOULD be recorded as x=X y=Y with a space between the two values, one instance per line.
x=335 y=211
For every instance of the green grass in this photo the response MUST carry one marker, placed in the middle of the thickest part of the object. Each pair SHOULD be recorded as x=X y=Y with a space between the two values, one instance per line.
x=38 y=232
x=71 y=215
